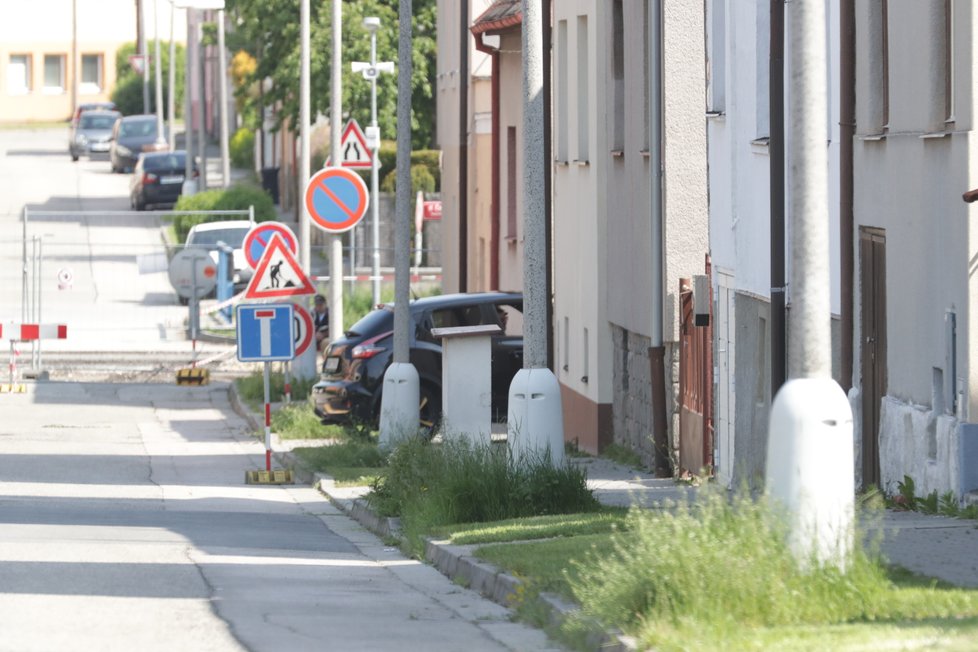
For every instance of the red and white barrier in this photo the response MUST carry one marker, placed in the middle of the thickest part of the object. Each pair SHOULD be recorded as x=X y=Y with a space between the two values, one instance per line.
x=28 y=332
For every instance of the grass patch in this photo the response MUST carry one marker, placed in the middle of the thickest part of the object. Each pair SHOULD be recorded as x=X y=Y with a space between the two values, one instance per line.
x=544 y=563
x=623 y=455
x=350 y=462
x=607 y=520
x=298 y=421
x=428 y=485
x=717 y=573
x=251 y=388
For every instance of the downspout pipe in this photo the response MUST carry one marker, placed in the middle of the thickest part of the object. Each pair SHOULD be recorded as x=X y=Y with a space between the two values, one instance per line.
x=779 y=338
x=548 y=174
x=463 y=150
x=493 y=53
x=657 y=351
x=847 y=130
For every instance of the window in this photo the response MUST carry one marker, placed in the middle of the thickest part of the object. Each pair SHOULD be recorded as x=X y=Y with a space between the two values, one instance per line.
x=19 y=74
x=511 y=183
x=54 y=73
x=949 y=60
x=762 y=70
x=583 y=91
x=618 y=77
x=562 y=94
x=716 y=47
x=91 y=73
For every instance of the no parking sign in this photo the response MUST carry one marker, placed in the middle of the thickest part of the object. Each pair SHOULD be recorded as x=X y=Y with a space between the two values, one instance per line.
x=336 y=199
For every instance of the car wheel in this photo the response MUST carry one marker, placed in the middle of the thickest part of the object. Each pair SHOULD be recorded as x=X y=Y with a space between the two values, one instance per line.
x=74 y=157
x=139 y=205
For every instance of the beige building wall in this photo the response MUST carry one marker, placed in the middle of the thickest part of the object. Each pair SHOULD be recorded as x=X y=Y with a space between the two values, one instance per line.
x=32 y=33
x=448 y=88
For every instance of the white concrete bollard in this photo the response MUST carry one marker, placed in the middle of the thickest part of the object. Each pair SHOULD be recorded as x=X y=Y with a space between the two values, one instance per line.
x=399 y=404
x=536 y=422
x=810 y=468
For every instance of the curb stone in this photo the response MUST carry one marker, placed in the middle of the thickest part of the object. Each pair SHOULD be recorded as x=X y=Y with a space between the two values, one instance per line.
x=455 y=562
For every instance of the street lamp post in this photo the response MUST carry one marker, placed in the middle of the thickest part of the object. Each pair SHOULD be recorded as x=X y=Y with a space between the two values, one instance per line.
x=370 y=72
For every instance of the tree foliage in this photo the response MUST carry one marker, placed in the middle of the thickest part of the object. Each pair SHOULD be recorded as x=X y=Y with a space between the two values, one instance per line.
x=268 y=30
x=128 y=91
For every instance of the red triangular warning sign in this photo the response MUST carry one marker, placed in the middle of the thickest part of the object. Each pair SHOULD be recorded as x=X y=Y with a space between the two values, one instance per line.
x=278 y=274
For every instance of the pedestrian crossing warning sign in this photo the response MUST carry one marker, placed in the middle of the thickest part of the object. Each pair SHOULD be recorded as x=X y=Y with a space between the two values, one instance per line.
x=278 y=274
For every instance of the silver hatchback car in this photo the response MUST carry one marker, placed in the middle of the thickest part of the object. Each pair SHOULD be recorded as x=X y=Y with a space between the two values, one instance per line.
x=91 y=133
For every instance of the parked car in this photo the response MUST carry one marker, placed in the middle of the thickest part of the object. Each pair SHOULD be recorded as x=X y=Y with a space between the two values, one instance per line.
x=158 y=179
x=131 y=136
x=354 y=364
x=231 y=233
x=91 y=133
x=91 y=106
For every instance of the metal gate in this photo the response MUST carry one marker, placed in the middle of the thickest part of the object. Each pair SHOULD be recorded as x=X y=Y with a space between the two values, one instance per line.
x=695 y=384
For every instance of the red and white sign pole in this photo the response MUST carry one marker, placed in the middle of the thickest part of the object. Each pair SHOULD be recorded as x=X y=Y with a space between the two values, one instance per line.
x=268 y=422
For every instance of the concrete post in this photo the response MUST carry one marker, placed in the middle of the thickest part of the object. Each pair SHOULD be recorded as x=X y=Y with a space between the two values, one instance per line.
x=810 y=453
x=222 y=64
x=535 y=416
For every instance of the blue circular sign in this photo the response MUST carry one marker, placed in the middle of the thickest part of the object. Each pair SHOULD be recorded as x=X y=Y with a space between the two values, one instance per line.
x=336 y=199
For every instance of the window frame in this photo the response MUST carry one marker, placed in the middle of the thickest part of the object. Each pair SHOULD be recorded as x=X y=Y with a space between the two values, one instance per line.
x=88 y=87
x=28 y=86
x=61 y=87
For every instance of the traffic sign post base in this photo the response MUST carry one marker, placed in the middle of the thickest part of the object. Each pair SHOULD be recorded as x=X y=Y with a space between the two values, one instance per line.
x=282 y=476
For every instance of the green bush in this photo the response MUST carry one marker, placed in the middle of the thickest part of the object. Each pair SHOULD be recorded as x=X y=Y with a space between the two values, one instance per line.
x=429 y=159
x=242 y=148
x=237 y=197
x=421 y=180
x=128 y=91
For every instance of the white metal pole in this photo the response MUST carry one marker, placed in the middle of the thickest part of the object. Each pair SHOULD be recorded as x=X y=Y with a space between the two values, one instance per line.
x=188 y=122
x=268 y=420
x=171 y=101
x=374 y=189
x=335 y=119
x=222 y=59
x=142 y=52
x=158 y=75
x=304 y=155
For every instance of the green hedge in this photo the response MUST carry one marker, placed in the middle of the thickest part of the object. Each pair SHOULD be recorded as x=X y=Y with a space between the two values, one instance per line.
x=430 y=159
x=237 y=197
x=242 y=148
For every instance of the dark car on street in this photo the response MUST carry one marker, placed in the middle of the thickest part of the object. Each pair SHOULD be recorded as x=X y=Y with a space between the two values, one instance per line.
x=354 y=364
x=131 y=136
x=91 y=133
x=158 y=179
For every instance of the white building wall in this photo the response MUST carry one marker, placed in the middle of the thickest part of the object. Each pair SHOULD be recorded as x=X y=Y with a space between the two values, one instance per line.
x=908 y=181
x=738 y=41
x=510 y=246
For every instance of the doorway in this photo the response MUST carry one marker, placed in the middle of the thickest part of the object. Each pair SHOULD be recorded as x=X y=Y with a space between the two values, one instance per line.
x=872 y=289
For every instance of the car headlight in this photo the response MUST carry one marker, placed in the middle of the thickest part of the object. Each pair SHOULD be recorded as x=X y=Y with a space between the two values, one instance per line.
x=122 y=149
x=80 y=139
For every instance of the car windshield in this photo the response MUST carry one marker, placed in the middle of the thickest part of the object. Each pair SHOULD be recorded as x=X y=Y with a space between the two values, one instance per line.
x=233 y=237
x=89 y=121
x=165 y=162
x=137 y=128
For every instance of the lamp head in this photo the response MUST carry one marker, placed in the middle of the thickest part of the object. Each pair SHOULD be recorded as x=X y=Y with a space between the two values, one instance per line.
x=371 y=23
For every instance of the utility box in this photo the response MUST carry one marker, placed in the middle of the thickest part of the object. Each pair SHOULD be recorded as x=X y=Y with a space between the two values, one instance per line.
x=466 y=383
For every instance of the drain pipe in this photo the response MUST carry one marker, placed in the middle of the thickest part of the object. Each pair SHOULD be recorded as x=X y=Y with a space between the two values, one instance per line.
x=779 y=368
x=847 y=130
x=463 y=150
x=657 y=351
x=493 y=53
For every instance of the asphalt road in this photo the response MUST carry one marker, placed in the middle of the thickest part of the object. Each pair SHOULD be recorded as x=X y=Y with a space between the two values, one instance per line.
x=125 y=524
x=78 y=212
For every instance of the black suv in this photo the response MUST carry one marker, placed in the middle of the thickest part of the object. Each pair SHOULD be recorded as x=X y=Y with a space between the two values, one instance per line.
x=354 y=365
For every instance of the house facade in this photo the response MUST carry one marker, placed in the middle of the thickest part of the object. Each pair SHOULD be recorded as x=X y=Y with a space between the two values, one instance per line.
x=915 y=289
x=55 y=54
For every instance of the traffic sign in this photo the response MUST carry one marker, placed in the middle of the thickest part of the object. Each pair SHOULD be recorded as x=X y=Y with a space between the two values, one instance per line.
x=336 y=199
x=353 y=147
x=302 y=329
x=192 y=267
x=258 y=238
x=264 y=332
x=278 y=275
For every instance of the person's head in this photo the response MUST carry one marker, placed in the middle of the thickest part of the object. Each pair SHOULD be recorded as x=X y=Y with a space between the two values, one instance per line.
x=319 y=303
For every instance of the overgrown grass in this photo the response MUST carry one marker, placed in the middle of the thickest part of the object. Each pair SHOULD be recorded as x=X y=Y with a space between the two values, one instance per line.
x=716 y=571
x=350 y=462
x=946 y=504
x=623 y=455
x=252 y=388
x=298 y=421
x=428 y=485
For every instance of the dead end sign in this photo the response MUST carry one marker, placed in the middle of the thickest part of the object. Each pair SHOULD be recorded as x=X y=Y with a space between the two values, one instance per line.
x=336 y=199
